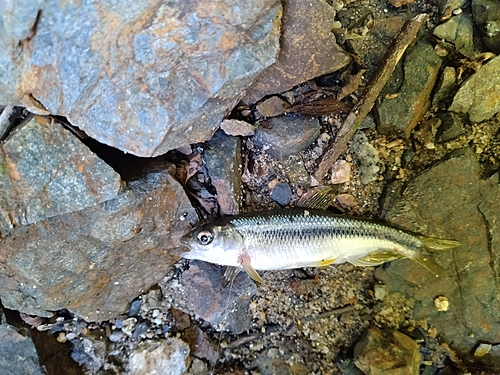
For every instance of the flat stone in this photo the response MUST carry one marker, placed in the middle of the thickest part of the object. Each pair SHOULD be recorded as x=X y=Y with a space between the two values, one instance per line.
x=200 y=344
x=479 y=96
x=237 y=127
x=273 y=106
x=283 y=136
x=94 y=262
x=201 y=291
x=308 y=49
x=341 y=172
x=402 y=111
x=223 y=158
x=445 y=88
x=451 y=126
x=487 y=21
x=459 y=31
x=384 y=352
x=46 y=171
x=155 y=357
x=18 y=354
x=144 y=76
x=450 y=201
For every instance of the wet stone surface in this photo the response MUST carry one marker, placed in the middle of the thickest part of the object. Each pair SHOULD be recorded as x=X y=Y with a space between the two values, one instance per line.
x=107 y=254
x=200 y=291
x=308 y=49
x=451 y=201
x=126 y=79
x=56 y=174
x=400 y=111
x=283 y=136
x=223 y=158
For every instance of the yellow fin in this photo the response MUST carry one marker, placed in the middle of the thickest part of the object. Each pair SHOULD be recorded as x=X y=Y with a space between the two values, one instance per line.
x=320 y=198
x=434 y=245
x=321 y=263
x=428 y=262
x=382 y=256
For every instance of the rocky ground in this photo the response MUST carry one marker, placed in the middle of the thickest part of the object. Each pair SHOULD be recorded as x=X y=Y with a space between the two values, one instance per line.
x=95 y=284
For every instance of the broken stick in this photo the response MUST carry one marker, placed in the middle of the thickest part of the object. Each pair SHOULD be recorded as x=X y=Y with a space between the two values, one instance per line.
x=370 y=94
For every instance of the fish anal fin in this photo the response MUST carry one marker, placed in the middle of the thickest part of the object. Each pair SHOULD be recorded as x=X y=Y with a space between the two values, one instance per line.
x=382 y=256
x=246 y=263
x=320 y=198
x=229 y=275
x=427 y=261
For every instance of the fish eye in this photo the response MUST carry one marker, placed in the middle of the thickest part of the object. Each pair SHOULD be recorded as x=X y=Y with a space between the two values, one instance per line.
x=204 y=237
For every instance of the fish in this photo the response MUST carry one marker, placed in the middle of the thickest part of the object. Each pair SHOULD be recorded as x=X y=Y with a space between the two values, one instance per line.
x=297 y=238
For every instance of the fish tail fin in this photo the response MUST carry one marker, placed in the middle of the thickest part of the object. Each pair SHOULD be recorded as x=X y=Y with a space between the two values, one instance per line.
x=433 y=245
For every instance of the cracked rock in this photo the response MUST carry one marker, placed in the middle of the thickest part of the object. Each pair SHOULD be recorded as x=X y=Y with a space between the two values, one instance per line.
x=46 y=171
x=451 y=201
x=144 y=76
x=108 y=253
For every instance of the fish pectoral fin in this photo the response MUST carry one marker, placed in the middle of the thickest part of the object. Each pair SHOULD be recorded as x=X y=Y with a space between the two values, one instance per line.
x=428 y=262
x=376 y=258
x=246 y=263
x=229 y=275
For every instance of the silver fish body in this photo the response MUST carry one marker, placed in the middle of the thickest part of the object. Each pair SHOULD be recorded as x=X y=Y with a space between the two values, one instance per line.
x=302 y=238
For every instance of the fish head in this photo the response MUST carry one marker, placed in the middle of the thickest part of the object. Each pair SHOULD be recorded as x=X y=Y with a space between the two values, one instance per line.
x=220 y=244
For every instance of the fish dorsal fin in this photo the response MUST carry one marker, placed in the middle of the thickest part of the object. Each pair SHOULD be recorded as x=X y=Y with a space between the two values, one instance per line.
x=229 y=275
x=246 y=263
x=319 y=198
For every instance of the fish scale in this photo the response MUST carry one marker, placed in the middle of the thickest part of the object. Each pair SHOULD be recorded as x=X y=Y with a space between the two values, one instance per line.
x=300 y=239
x=306 y=238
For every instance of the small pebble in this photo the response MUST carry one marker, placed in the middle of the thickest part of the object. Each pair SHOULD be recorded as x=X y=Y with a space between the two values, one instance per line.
x=129 y=326
x=237 y=127
x=116 y=336
x=346 y=201
x=482 y=350
x=441 y=303
x=380 y=291
x=134 y=308
x=341 y=172
x=282 y=194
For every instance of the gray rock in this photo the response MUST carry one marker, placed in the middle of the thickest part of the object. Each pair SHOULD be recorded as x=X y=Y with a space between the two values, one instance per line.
x=451 y=126
x=384 y=352
x=46 y=171
x=459 y=31
x=237 y=127
x=283 y=136
x=135 y=308
x=400 y=114
x=445 y=89
x=282 y=194
x=200 y=291
x=144 y=76
x=200 y=345
x=223 y=158
x=273 y=106
x=450 y=201
x=95 y=261
x=170 y=356
x=18 y=354
x=308 y=49
x=446 y=7
x=487 y=19
x=479 y=96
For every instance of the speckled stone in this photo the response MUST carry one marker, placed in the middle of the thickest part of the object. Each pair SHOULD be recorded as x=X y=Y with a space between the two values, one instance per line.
x=144 y=76
x=46 y=171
